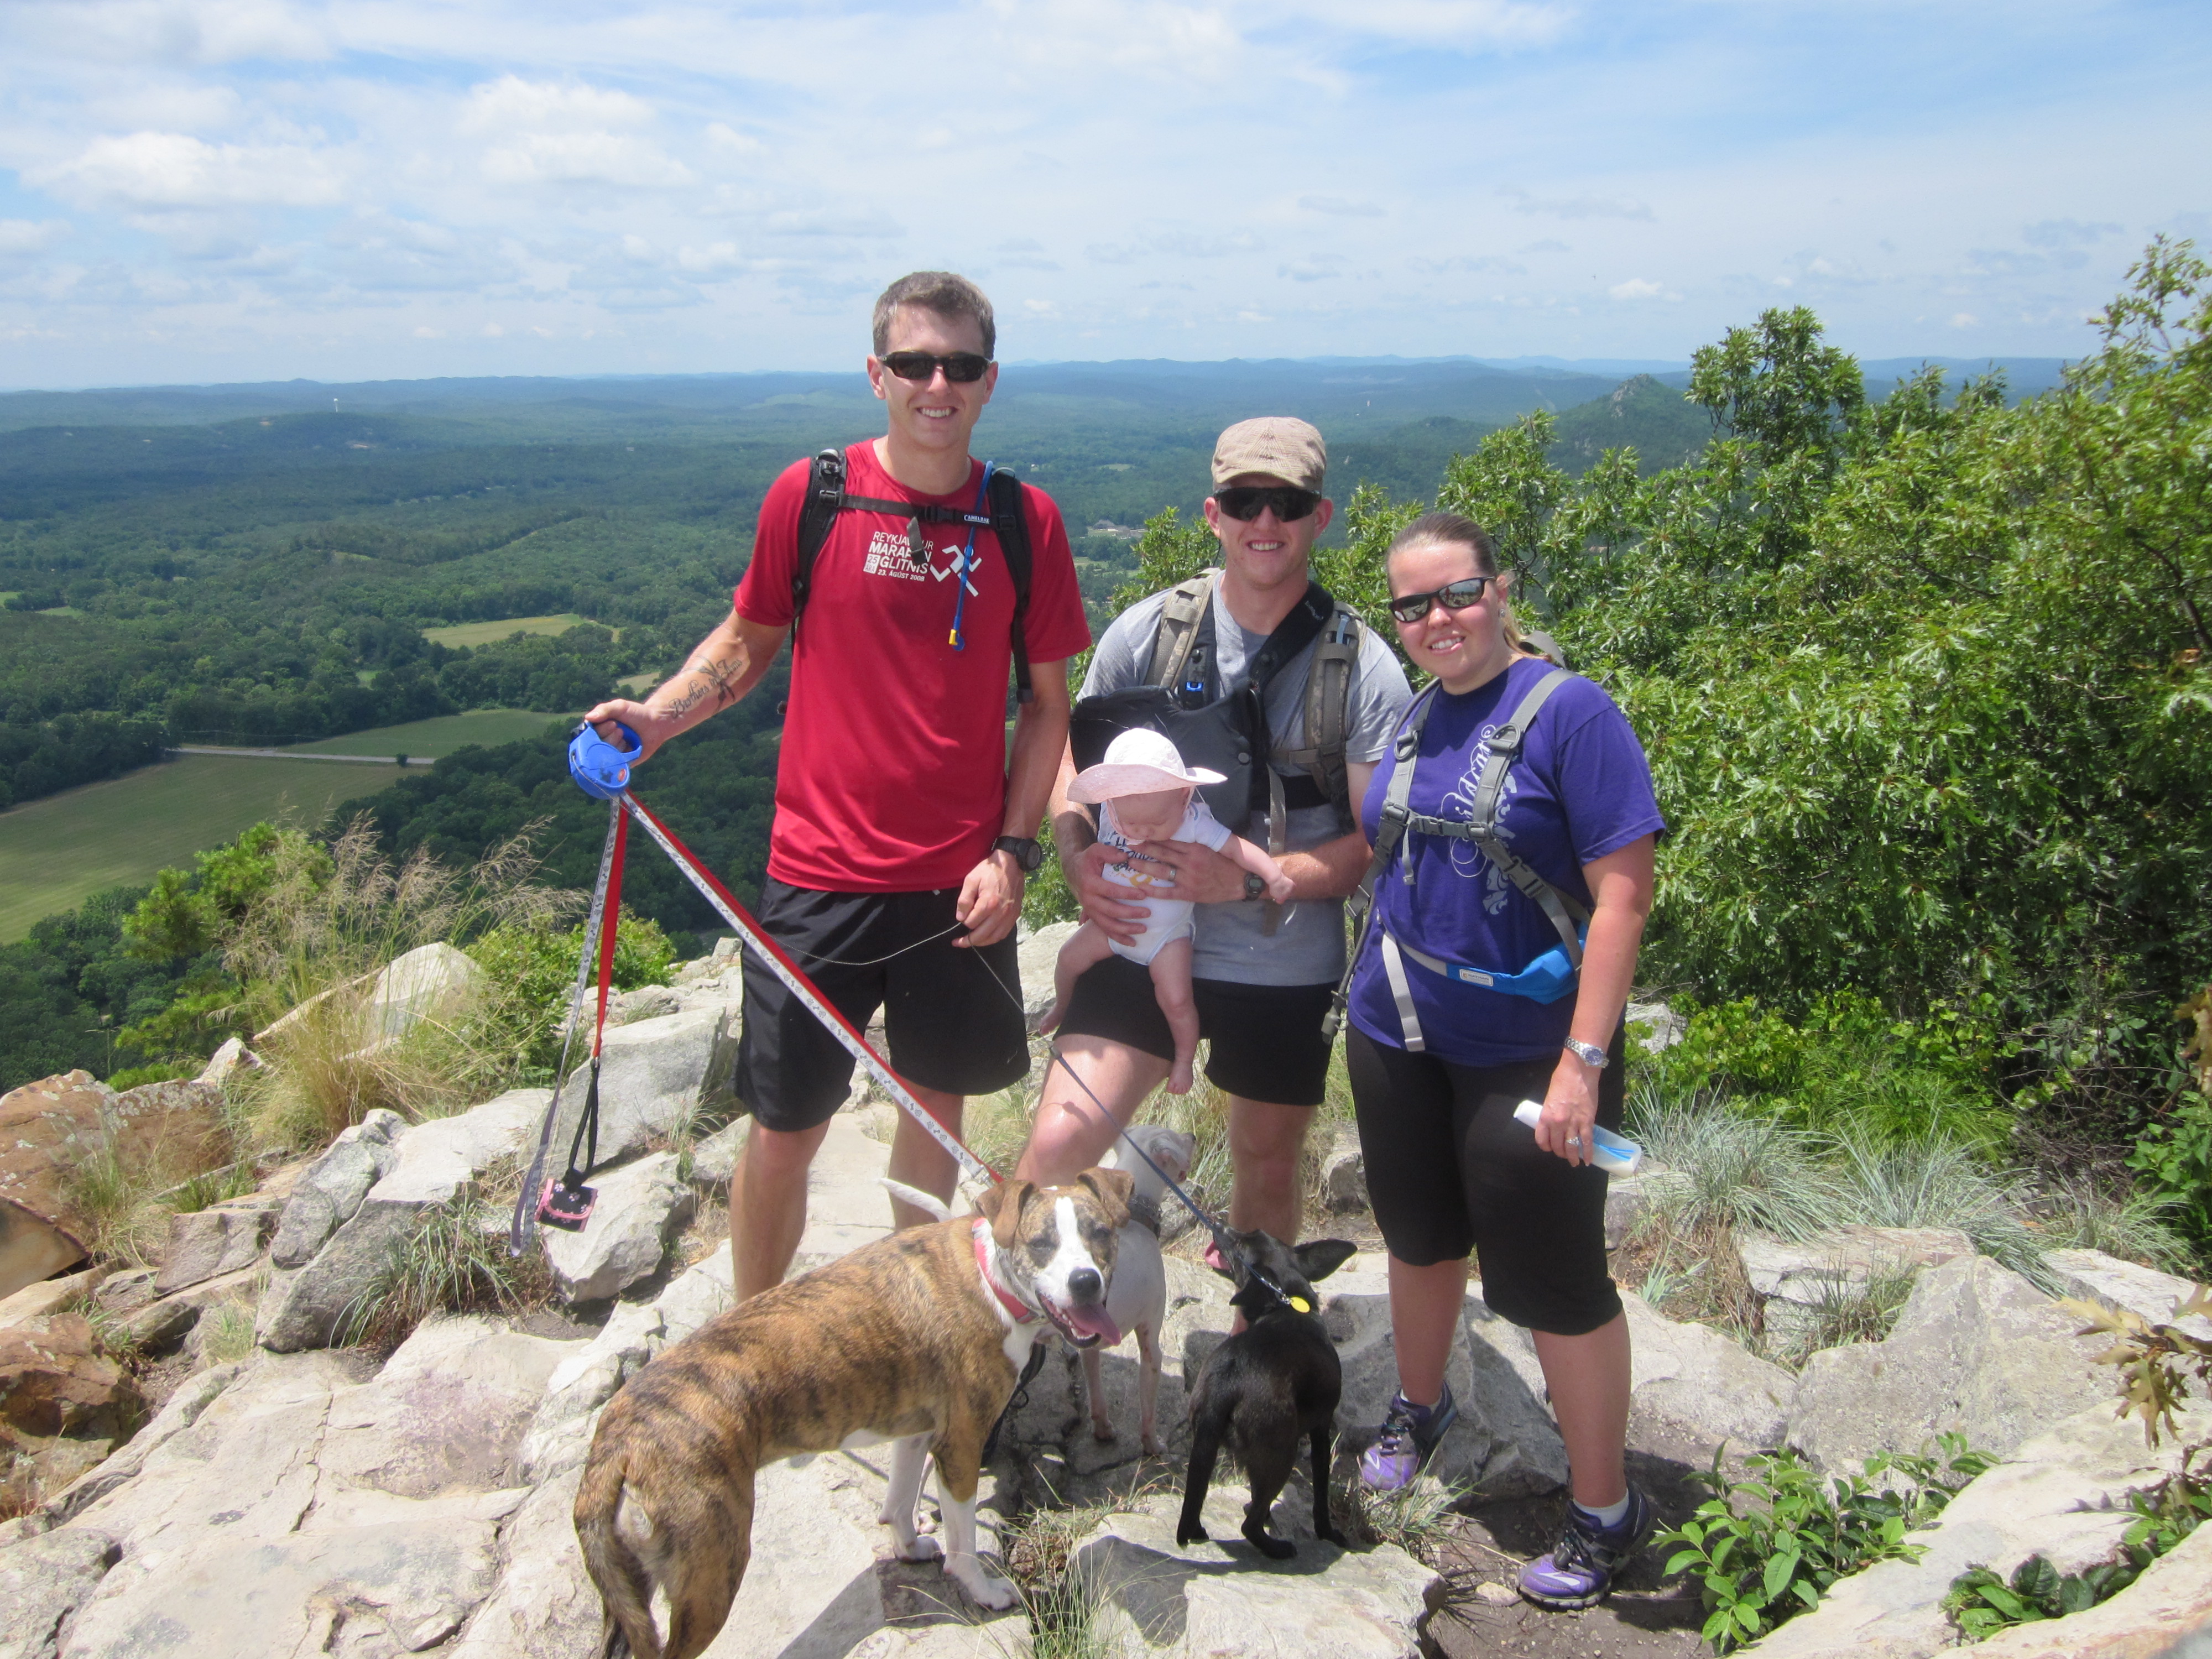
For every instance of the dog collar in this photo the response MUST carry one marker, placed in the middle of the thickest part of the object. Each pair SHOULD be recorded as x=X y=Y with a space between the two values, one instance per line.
x=1146 y=1212
x=1017 y=1309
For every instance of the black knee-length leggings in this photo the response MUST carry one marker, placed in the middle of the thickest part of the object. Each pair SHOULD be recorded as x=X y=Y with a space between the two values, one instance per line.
x=1449 y=1170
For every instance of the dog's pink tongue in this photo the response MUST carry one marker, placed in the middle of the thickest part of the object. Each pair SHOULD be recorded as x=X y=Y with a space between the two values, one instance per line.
x=1213 y=1259
x=1094 y=1321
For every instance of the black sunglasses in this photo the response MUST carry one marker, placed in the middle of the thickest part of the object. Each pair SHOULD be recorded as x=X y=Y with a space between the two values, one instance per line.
x=1245 y=502
x=961 y=367
x=1453 y=596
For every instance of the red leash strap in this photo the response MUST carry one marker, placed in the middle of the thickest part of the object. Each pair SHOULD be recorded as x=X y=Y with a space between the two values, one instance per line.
x=800 y=985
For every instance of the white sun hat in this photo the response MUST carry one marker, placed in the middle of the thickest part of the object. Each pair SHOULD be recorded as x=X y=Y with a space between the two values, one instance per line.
x=1140 y=761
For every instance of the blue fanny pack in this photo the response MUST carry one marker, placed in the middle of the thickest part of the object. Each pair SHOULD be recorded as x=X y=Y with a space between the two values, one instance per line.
x=1548 y=978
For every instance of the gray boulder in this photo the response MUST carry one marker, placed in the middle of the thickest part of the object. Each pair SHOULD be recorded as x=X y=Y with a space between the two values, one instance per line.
x=204 y=1243
x=640 y=1208
x=1344 y=1174
x=1977 y=1351
x=657 y=1077
x=1795 y=1280
x=646 y=1002
x=1694 y=1381
x=310 y=1306
x=413 y=987
x=330 y=1190
x=43 y=1580
x=1222 y=1597
x=505 y=1126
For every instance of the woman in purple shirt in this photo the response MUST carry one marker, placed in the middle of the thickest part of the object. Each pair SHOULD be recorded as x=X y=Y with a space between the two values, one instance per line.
x=1465 y=1002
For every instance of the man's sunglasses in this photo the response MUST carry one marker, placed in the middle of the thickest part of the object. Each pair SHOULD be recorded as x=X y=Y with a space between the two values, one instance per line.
x=961 y=367
x=1454 y=596
x=1245 y=502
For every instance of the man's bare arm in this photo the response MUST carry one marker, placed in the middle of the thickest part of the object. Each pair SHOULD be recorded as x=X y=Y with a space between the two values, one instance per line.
x=722 y=669
x=1328 y=871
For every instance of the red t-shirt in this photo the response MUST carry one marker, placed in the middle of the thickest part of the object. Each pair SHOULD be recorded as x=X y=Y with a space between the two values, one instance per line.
x=893 y=772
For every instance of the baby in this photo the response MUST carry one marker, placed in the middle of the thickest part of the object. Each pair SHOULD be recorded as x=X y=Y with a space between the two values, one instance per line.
x=1146 y=796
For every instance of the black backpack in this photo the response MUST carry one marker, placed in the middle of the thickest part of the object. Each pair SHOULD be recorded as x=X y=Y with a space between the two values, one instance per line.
x=825 y=498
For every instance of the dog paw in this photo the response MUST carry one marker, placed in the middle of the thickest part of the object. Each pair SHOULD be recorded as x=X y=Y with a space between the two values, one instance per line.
x=986 y=1589
x=1153 y=1446
x=1191 y=1534
x=1275 y=1549
x=921 y=1549
x=1331 y=1535
x=1100 y=1431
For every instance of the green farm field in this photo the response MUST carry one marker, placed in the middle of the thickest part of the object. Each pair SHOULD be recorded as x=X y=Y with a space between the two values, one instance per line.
x=434 y=739
x=489 y=632
x=58 y=852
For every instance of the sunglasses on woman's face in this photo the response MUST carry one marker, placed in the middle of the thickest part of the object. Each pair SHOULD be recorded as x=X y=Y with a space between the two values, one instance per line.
x=1454 y=596
x=961 y=367
x=1245 y=502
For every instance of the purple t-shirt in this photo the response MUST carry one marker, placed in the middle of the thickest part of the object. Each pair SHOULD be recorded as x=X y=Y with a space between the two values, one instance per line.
x=1579 y=789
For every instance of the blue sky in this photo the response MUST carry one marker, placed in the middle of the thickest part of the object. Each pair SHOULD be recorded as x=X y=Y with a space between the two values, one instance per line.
x=237 y=189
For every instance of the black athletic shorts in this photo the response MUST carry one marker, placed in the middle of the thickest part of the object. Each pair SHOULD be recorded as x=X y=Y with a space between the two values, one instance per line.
x=952 y=1014
x=1448 y=1171
x=1267 y=1040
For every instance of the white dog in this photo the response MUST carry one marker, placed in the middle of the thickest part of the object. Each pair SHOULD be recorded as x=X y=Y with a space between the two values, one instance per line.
x=1136 y=1297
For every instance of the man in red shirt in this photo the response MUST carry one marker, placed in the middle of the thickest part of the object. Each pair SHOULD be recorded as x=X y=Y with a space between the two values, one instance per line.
x=904 y=827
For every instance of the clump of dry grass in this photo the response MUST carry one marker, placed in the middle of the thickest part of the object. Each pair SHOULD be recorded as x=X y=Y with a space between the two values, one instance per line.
x=454 y=1262
x=309 y=949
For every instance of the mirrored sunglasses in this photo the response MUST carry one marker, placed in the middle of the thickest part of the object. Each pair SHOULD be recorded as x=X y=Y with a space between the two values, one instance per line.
x=1454 y=596
x=961 y=367
x=1245 y=502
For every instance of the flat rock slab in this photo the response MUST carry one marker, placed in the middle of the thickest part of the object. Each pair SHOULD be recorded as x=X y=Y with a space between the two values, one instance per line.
x=1226 y=1598
x=448 y=1410
x=1977 y=1351
x=2144 y=1292
x=205 y=1244
x=2059 y=1495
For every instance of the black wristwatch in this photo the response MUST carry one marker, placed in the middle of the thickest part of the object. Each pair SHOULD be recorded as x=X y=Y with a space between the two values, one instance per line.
x=1027 y=853
x=1254 y=886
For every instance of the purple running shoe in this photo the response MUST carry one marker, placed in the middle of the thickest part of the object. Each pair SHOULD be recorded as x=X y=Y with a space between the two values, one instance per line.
x=1581 y=1569
x=1409 y=1435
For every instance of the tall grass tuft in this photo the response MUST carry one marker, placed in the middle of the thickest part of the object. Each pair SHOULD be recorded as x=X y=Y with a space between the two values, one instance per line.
x=454 y=1262
x=1732 y=1170
x=2088 y=1215
x=1416 y=1517
x=311 y=946
x=1936 y=1183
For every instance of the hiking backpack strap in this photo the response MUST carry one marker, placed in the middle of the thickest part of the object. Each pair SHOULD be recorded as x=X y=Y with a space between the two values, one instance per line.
x=817 y=513
x=1500 y=750
x=1389 y=830
x=1010 y=526
x=1328 y=712
x=1184 y=615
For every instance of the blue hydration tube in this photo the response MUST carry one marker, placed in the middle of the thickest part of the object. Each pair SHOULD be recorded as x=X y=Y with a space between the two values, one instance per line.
x=600 y=769
x=967 y=564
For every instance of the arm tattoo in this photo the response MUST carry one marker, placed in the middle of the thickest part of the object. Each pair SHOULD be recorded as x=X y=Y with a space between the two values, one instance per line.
x=712 y=676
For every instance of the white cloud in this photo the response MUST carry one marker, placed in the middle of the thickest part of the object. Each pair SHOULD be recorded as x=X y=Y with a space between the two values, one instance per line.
x=1636 y=288
x=1963 y=320
x=511 y=103
x=1576 y=207
x=165 y=170
x=22 y=238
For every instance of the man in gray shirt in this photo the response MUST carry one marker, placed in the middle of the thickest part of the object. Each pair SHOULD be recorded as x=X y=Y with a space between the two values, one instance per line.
x=1261 y=995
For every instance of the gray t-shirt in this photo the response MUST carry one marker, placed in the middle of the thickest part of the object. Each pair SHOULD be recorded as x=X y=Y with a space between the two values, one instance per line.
x=1307 y=949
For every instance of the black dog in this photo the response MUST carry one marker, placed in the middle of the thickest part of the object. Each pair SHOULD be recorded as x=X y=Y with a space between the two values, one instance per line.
x=1273 y=1382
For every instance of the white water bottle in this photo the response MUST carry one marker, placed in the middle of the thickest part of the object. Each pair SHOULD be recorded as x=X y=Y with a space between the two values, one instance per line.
x=1608 y=1151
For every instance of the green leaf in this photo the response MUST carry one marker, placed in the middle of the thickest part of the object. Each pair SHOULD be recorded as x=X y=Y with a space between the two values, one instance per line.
x=1780 y=1570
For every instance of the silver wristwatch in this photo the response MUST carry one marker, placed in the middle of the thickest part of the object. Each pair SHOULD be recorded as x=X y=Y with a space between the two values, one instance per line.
x=1589 y=1053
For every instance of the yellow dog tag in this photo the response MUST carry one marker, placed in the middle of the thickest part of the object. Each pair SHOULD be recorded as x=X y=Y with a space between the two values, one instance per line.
x=1300 y=1304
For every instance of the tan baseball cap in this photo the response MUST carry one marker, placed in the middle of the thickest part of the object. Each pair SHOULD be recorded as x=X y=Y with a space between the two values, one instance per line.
x=1280 y=446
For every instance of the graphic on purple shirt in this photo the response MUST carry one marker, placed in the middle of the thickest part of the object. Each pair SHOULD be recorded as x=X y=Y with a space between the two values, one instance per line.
x=1580 y=789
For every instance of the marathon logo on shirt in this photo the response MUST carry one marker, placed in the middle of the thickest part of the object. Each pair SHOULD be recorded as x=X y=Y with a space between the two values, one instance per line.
x=891 y=554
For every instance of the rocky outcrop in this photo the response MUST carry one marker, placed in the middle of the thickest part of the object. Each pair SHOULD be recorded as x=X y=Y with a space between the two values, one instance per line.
x=48 y=1128
x=659 y=1078
x=63 y=1403
x=2059 y=1494
x=326 y=1196
x=225 y=1239
x=1977 y=1351
x=1795 y=1281
x=43 y=1581
x=2144 y=1292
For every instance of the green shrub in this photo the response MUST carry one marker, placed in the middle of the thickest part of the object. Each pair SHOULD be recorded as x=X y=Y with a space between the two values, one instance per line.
x=535 y=969
x=162 y=1072
x=1766 y=1547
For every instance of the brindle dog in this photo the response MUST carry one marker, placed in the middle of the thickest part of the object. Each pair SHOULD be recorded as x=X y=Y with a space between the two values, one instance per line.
x=916 y=1338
